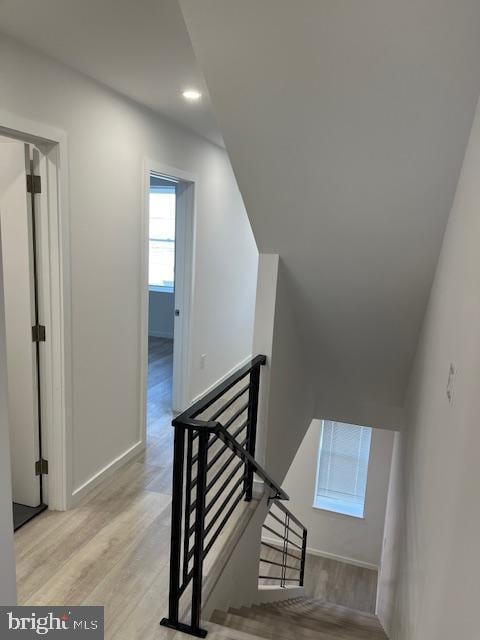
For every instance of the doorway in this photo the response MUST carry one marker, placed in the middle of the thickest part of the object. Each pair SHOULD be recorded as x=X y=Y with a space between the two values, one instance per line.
x=161 y=298
x=36 y=295
x=167 y=282
x=24 y=324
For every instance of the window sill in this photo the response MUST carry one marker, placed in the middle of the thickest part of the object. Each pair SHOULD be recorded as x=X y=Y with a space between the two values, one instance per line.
x=158 y=289
x=342 y=508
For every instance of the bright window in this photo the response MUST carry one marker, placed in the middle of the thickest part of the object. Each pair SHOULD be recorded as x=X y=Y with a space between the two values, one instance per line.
x=161 y=268
x=342 y=468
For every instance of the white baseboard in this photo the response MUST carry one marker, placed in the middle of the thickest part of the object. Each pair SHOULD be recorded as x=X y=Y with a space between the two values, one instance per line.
x=222 y=379
x=346 y=560
x=104 y=473
x=160 y=334
x=324 y=554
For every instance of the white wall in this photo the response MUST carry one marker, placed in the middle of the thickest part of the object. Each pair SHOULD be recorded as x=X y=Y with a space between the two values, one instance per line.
x=108 y=140
x=286 y=394
x=435 y=577
x=333 y=534
x=7 y=559
x=161 y=308
x=346 y=123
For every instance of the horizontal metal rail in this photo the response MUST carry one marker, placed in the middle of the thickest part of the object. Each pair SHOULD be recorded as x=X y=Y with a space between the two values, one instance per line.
x=281 y=578
x=226 y=472
x=271 y=546
x=283 y=551
x=279 y=564
x=210 y=398
x=229 y=403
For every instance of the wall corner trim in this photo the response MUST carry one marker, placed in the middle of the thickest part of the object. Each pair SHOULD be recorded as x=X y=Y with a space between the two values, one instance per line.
x=352 y=561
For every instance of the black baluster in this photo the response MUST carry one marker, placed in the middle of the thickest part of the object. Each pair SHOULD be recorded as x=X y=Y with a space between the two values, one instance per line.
x=199 y=533
x=304 y=556
x=188 y=500
x=252 y=429
x=176 y=533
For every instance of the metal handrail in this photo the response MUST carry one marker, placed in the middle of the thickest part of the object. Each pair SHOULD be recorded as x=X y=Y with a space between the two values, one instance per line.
x=190 y=469
x=206 y=401
x=283 y=546
x=246 y=457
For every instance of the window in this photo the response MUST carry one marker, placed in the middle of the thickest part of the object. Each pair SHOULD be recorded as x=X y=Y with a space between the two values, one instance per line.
x=161 y=267
x=342 y=468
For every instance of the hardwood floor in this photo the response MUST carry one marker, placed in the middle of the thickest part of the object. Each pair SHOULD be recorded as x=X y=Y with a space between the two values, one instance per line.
x=341 y=583
x=328 y=580
x=159 y=398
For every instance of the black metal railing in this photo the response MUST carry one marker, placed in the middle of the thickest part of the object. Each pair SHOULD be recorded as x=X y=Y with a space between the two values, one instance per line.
x=284 y=548
x=213 y=471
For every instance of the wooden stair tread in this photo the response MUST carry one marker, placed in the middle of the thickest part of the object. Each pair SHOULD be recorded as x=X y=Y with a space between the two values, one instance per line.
x=269 y=630
x=325 y=617
x=325 y=610
x=300 y=619
x=219 y=632
x=328 y=625
x=313 y=604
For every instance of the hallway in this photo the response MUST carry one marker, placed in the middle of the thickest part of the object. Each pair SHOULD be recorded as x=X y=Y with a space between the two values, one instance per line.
x=112 y=549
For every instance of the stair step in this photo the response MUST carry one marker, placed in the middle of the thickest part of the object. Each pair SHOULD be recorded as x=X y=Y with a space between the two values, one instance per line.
x=329 y=624
x=320 y=610
x=219 y=632
x=300 y=618
x=269 y=630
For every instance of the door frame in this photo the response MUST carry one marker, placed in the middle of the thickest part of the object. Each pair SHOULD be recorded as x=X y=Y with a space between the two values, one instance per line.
x=184 y=285
x=55 y=287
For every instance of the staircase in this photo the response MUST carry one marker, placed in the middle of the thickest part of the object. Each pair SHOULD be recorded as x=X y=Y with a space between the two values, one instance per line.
x=213 y=472
x=298 y=619
x=214 y=467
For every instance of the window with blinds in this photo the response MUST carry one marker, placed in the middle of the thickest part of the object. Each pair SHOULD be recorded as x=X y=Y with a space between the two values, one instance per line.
x=342 y=468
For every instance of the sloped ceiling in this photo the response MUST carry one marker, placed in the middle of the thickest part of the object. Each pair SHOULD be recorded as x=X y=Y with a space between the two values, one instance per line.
x=140 y=48
x=346 y=122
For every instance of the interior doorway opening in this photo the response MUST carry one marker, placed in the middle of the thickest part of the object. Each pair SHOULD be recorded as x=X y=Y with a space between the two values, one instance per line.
x=23 y=244
x=35 y=292
x=162 y=208
x=168 y=239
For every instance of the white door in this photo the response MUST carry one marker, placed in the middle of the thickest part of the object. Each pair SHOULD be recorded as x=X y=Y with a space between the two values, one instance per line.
x=17 y=250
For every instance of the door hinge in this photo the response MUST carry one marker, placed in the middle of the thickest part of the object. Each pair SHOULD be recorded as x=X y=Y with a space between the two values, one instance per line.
x=38 y=333
x=34 y=184
x=41 y=467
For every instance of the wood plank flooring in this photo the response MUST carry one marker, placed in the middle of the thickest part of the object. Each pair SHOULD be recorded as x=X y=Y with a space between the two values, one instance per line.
x=328 y=580
x=341 y=583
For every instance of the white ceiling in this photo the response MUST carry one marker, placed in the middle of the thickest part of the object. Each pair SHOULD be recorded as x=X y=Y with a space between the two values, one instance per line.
x=346 y=122
x=140 y=48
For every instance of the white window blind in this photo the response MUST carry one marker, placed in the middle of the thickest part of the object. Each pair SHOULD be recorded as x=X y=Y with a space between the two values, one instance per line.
x=343 y=468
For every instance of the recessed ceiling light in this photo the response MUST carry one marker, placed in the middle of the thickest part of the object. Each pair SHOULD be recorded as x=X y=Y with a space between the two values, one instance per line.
x=192 y=95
